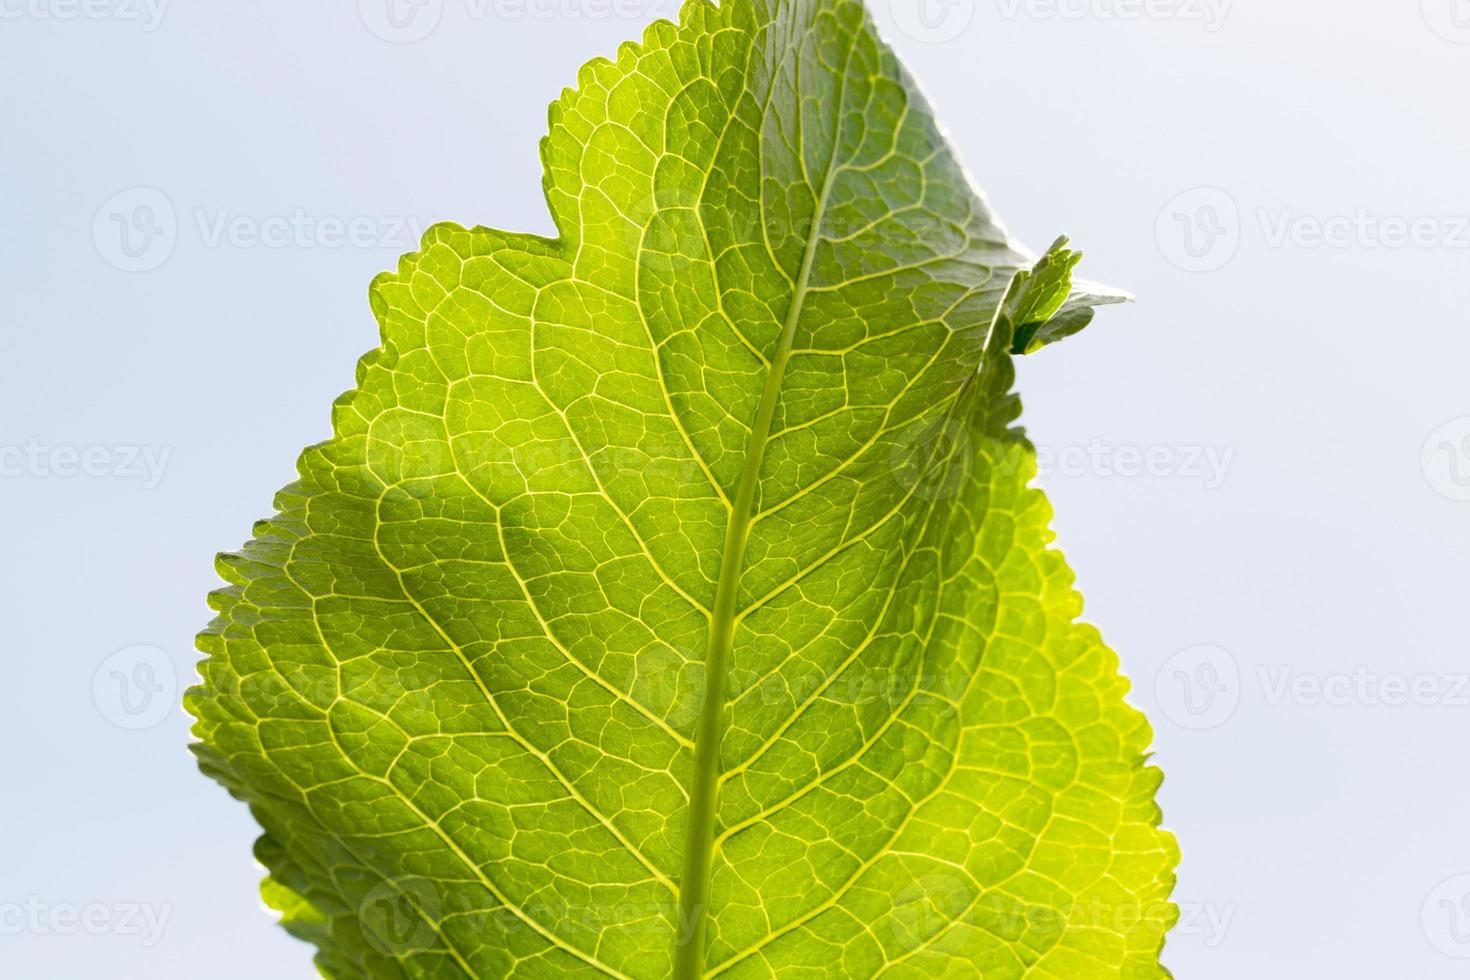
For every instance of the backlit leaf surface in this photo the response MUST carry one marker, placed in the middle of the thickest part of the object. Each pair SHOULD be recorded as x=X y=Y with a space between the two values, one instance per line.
x=670 y=598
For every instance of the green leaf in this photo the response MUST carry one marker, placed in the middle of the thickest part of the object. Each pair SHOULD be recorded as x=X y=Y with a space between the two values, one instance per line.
x=1053 y=309
x=671 y=599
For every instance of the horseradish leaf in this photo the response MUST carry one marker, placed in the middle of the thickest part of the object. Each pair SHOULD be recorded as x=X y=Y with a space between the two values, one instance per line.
x=671 y=598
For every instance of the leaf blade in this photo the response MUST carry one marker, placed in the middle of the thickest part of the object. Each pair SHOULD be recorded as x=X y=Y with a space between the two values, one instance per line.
x=465 y=663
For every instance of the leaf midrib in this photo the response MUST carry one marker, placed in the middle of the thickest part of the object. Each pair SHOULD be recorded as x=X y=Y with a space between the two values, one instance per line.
x=694 y=884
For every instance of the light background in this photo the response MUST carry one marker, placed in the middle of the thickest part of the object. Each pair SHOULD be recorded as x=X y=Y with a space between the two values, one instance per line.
x=1314 y=835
